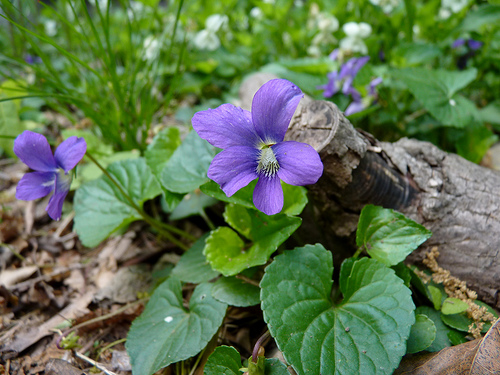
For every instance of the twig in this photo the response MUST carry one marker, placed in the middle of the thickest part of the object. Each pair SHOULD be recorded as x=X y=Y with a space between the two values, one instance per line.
x=95 y=364
x=106 y=316
x=47 y=277
x=109 y=346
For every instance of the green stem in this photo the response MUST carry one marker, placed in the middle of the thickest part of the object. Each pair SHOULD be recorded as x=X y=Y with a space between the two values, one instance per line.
x=161 y=227
x=205 y=217
x=358 y=252
x=173 y=229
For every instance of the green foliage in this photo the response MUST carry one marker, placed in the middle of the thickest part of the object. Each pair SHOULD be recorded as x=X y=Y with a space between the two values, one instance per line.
x=441 y=340
x=388 y=236
x=236 y=292
x=453 y=306
x=98 y=70
x=193 y=266
x=101 y=207
x=187 y=168
x=228 y=253
x=436 y=90
x=295 y=197
x=97 y=56
x=161 y=149
x=365 y=333
x=178 y=333
x=422 y=334
x=225 y=360
x=10 y=123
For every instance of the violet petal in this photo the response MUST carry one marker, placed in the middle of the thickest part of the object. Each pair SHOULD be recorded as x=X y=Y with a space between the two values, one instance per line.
x=353 y=108
x=234 y=168
x=34 y=151
x=54 y=208
x=268 y=195
x=273 y=107
x=375 y=82
x=334 y=54
x=70 y=152
x=356 y=96
x=226 y=126
x=300 y=164
x=458 y=43
x=331 y=88
x=35 y=185
x=474 y=44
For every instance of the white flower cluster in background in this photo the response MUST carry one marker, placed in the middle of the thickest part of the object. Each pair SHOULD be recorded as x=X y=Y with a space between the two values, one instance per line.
x=50 y=27
x=256 y=13
x=137 y=10
x=151 y=47
x=207 y=38
x=326 y=24
x=355 y=33
x=102 y=4
x=448 y=7
x=386 y=5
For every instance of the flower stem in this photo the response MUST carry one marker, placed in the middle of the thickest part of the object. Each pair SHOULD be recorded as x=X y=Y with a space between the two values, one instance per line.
x=359 y=251
x=163 y=228
x=257 y=345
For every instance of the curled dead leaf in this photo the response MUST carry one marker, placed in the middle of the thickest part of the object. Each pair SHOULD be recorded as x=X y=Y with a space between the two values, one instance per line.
x=478 y=357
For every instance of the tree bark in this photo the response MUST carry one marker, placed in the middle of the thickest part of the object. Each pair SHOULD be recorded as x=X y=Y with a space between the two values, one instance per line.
x=457 y=200
x=454 y=198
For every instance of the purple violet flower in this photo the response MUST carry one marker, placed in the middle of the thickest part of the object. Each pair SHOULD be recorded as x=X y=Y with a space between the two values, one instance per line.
x=458 y=43
x=253 y=146
x=474 y=45
x=345 y=78
x=359 y=104
x=51 y=171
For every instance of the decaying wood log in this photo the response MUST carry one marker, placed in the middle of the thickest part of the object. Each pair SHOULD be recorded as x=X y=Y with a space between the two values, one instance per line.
x=457 y=200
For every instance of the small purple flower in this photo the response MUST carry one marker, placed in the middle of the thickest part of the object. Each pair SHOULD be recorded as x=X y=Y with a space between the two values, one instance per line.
x=334 y=54
x=458 y=43
x=32 y=59
x=359 y=104
x=344 y=78
x=253 y=146
x=51 y=171
x=474 y=44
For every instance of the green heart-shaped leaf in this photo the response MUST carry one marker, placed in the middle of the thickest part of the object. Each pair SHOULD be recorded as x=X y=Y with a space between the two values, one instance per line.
x=187 y=169
x=442 y=330
x=436 y=89
x=388 y=236
x=226 y=251
x=100 y=207
x=364 y=334
x=166 y=332
x=193 y=267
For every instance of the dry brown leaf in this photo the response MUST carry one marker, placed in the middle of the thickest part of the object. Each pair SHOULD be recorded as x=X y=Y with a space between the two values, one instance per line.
x=9 y=278
x=30 y=336
x=60 y=367
x=455 y=360
x=478 y=357
x=125 y=284
x=487 y=358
